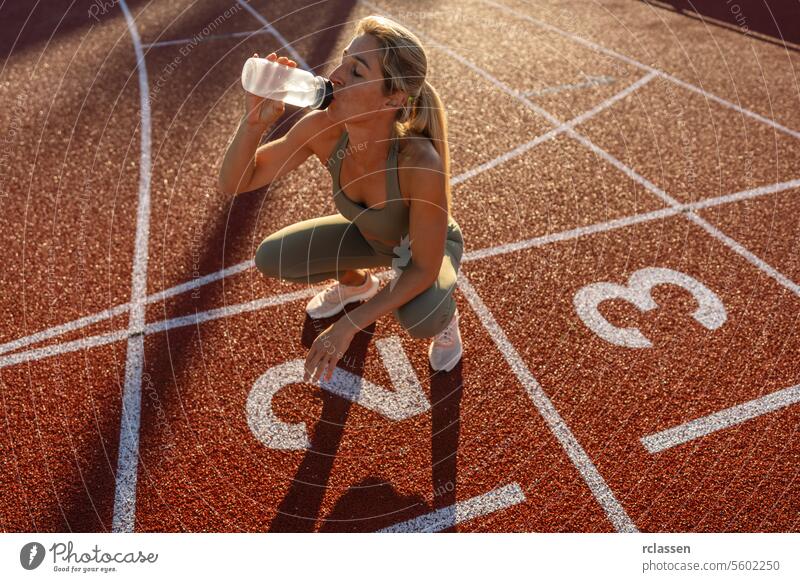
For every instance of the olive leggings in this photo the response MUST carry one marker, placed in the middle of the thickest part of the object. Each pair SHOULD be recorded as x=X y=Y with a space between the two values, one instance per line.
x=324 y=248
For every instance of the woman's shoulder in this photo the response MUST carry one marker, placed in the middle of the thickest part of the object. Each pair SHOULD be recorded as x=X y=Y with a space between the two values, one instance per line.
x=417 y=150
x=418 y=166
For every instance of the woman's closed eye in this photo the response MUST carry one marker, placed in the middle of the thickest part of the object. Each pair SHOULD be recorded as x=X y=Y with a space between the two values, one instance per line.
x=354 y=73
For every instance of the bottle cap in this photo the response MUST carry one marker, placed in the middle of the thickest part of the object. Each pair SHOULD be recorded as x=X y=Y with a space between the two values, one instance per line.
x=328 y=97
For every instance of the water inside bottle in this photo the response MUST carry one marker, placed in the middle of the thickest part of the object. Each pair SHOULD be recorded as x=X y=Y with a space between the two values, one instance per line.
x=280 y=83
x=294 y=94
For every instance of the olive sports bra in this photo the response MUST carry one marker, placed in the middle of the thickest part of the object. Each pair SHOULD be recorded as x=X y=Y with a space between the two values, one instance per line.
x=389 y=222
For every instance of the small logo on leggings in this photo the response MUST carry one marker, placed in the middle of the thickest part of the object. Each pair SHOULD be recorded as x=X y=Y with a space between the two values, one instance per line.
x=403 y=253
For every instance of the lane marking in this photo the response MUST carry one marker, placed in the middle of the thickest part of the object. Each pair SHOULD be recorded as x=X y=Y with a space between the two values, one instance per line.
x=591 y=476
x=495 y=500
x=640 y=65
x=561 y=128
x=128 y=455
x=285 y=44
x=665 y=439
x=628 y=171
x=591 y=81
x=743 y=251
x=163 y=325
x=710 y=312
x=406 y=398
x=163 y=43
x=66 y=347
x=61 y=329
x=735 y=246
x=745 y=195
x=565 y=235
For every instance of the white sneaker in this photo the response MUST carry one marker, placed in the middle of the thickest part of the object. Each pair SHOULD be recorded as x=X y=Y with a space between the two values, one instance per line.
x=445 y=349
x=332 y=300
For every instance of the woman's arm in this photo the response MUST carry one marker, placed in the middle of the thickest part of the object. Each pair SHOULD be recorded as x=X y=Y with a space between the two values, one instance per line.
x=239 y=162
x=246 y=168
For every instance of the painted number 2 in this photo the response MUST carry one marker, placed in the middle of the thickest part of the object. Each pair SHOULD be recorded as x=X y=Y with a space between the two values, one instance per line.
x=710 y=312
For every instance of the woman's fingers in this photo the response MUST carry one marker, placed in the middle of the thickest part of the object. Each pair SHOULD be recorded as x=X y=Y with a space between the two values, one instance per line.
x=281 y=60
x=312 y=363
x=322 y=365
x=319 y=369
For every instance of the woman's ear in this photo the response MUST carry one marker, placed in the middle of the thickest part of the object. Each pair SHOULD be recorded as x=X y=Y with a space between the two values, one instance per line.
x=397 y=99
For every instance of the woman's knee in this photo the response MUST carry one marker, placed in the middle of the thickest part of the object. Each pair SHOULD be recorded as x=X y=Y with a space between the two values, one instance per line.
x=425 y=316
x=272 y=260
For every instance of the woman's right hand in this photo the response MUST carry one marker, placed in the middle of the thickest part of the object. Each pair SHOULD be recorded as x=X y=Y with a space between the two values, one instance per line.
x=263 y=112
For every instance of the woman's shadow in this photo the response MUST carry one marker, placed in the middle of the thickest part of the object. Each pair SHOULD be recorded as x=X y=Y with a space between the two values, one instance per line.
x=371 y=504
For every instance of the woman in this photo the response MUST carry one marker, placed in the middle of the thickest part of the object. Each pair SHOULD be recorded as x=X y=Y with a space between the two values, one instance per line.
x=384 y=139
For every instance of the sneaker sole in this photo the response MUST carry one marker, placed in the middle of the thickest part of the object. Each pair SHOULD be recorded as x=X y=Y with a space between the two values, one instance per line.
x=368 y=294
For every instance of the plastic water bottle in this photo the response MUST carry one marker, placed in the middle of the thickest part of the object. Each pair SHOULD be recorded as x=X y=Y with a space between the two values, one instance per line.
x=291 y=85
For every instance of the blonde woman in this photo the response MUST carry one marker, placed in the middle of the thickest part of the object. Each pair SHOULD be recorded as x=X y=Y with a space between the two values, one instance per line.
x=383 y=138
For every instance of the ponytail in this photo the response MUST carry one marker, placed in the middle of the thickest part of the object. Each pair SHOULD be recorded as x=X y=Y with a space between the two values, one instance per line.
x=427 y=116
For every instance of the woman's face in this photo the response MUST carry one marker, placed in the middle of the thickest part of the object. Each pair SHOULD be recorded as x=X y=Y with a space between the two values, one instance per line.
x=358 y=83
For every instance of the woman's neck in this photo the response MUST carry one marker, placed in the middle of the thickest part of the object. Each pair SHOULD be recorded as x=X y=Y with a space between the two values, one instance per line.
x=367 y=145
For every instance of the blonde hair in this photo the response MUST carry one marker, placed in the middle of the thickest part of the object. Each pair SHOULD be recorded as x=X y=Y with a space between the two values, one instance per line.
x=405 y=65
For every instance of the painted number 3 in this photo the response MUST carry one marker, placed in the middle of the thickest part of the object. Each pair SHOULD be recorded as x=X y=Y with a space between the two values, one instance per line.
x=710 y=312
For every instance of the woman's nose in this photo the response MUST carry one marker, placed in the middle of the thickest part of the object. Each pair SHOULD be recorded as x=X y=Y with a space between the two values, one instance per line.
x=335 y=79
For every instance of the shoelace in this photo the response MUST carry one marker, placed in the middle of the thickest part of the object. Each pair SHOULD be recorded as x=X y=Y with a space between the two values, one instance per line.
x=332 y=293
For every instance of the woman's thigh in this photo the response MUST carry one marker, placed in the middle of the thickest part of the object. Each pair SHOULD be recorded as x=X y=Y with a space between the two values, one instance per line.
x=316 y=249
x=429 y=312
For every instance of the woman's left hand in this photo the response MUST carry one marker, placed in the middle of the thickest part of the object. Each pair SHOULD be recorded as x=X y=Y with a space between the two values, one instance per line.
x=327 y=349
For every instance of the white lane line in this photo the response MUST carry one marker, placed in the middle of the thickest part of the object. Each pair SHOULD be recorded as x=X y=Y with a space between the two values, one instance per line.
x=64 y=348
x=119 y=309
x=640 y=65
x=279 y=299
x=567 y=234
x=127 y=459
x=735 y=246
x=192 y=284
x=278 y=36
x=496 y=500
x=257 y=305
x=632 y=174
x=62 y=329
x=665 y=439
x=163 y=43
x=561 y=128
x=742 y=251
x=745 y=194
x=591 y=476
